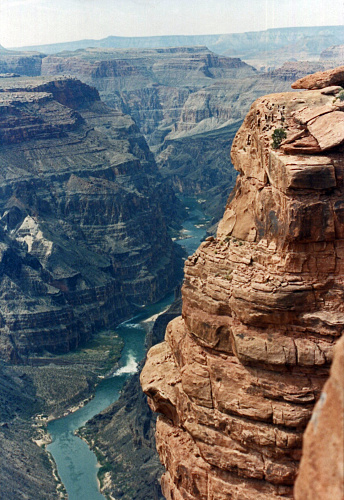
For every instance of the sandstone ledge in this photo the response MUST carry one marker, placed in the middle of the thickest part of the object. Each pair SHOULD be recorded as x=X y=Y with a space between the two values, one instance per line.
x=239 y=373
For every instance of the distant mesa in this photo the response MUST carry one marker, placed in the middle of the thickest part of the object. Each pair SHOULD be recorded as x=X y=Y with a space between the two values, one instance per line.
x=277 y=45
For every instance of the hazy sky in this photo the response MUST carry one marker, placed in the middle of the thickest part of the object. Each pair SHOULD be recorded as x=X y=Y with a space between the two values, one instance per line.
x=30 y=22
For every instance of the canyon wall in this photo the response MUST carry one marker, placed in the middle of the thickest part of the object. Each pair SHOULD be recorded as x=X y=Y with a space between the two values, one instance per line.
x=333 y=55
x=176 y=96
x=83 y=231
x=150 y=85
x=239 y=373
x=20 y=63
x=321 y=474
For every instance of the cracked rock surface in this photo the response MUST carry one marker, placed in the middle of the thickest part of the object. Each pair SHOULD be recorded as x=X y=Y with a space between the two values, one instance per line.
x=239 y=373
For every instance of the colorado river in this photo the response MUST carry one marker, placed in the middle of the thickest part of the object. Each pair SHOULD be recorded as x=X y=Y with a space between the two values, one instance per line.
x=76 y=463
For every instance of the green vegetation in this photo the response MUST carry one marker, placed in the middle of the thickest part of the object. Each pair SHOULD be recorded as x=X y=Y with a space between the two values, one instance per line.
x=277 y=137
x=100 y=353
x=341 y=95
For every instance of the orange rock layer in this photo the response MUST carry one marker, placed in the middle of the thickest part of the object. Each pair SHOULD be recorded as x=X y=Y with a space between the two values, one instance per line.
x=239 y=373
x=321 y=474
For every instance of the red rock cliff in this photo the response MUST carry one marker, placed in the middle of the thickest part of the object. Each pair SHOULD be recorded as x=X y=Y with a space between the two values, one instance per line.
x=239 y=373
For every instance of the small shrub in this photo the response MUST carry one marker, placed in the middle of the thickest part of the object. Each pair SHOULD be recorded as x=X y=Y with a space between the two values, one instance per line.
x=341 y=95
x=277 y=137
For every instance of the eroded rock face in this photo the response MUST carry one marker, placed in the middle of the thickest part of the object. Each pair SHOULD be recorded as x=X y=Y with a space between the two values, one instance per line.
x=22 y=63
x=321 y=80
x=333 y=54
x=239 y=373
x=152 y=85
x=83 y=236
x=321 y=472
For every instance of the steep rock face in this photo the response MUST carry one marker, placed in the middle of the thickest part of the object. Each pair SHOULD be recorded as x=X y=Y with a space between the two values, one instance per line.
x=22 y=63
x=151 y=85
x=224 y=102
x=197 y=165
x=83 y=234
x=321 y=474
x=321 y=79
x=291 y=71
x=334 y=54
x=239 y=373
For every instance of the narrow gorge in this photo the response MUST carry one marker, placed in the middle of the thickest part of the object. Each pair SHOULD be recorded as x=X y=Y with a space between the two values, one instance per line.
x=237 y=377
x=84 y=244
x=96 y=171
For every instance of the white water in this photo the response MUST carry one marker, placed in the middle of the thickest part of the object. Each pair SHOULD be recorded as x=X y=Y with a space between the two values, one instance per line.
x=130 y=368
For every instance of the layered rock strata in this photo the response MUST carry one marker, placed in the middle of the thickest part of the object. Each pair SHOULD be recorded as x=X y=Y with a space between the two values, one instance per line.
x=334 y=54
x=151 y=85
x=239 y=372
x=321 y=474
x=83 y=235
x=21 y=63
x=176 y=95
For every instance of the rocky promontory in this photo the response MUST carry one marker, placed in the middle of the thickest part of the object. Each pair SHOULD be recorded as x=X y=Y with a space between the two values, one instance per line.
x=83 y=233
x=239 y=373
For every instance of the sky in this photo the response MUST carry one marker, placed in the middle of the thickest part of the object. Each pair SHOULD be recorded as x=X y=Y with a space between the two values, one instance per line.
x=37 y=22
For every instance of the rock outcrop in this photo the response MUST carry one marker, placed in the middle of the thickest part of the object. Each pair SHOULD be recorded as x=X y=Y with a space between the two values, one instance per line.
x=83 y=234
x=22 y=63
x=239 y=373
x=321 y=79
x=321 y=474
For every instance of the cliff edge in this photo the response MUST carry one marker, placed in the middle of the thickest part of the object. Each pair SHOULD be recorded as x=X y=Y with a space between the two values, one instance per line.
x=239 y=373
